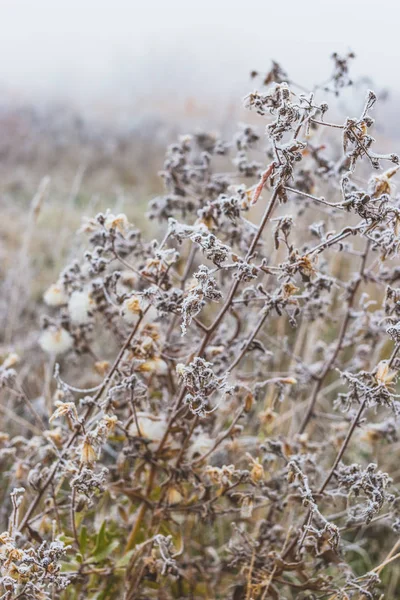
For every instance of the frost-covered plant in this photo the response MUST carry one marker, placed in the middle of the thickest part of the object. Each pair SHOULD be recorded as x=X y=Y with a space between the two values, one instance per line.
x=220 y=393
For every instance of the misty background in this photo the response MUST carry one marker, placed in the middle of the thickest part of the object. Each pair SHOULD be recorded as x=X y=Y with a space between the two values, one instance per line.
x=97 y=52
x=92 y=91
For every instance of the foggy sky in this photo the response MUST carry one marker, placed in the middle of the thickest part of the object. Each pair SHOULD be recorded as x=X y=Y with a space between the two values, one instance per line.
x=82 y=49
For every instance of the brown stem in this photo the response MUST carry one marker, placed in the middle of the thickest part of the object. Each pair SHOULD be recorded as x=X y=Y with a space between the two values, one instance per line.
x=330 y=362
x=343 y=446
x=143 y=507
x=341 y=451
x=249 y=340
x=73 y=437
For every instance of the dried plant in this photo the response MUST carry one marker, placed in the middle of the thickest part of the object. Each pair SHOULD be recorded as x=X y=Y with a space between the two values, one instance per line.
x=223 y=399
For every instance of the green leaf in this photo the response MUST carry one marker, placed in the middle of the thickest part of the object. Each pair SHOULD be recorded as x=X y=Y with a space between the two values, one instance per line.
x=101 y=540
x=83 y=539
x=124 y=560
x=66 y=539
x=106 y=552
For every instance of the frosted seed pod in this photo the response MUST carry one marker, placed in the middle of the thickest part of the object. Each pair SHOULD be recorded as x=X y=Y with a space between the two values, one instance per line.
x=55 y=340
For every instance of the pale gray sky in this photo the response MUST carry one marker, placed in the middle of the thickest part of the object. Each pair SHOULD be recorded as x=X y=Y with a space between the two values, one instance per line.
x=87 y=48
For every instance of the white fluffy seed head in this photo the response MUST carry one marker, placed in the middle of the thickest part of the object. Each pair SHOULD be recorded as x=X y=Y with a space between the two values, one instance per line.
x=201 y=444
x=151 y=428
x=55 y=295
x=55 y=340
x=79 y=306
x=10 y=361
x=157 y=365
x=131 y=307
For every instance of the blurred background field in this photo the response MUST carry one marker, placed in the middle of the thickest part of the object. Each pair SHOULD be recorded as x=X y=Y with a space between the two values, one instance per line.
x=93 y=92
